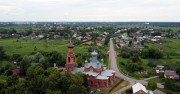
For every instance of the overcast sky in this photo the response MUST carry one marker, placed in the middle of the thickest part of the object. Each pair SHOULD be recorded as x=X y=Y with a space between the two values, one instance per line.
x=90 y=10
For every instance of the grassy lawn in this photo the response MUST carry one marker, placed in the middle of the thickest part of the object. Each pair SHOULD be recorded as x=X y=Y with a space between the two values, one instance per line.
x=106 y=61
x=118 y=84
x=156 y=80
x=121 y=85
x=26 y=46
x=102 y=92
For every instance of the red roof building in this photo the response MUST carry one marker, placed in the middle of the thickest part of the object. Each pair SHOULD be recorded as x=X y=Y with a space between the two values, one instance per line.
x=16 y=71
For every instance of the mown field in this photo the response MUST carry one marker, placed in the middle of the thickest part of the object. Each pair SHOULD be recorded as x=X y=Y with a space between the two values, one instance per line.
x=26 y=46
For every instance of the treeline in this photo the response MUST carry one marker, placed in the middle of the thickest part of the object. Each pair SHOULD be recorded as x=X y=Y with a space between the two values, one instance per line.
x=37 y=75
x=151 y=53
x=49 y=81
x=135 y=56
x=42 y=58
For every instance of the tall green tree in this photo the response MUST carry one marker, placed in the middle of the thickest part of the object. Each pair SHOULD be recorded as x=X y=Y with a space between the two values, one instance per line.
x=56 y=57
x=79 y=61
x=2 y=53
x=152 y=85
x=24 y=64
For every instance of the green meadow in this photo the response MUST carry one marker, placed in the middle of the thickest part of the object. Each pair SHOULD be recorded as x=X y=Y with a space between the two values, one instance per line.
x=25 y=46
x=20 y=27
x=170 y=46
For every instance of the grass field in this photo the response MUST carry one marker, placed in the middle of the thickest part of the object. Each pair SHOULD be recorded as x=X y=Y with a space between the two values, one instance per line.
x=26 y=46
x=118 y=84
x=20 y=27
x=121 y=85
x=168 y=45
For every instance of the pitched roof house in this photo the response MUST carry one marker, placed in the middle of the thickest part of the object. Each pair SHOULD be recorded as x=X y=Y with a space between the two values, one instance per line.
x=171 y=74
x=16 y=71
x=139 y=89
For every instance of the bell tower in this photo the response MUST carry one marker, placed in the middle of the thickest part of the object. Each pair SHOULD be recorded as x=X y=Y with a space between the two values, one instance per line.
x=70 y=58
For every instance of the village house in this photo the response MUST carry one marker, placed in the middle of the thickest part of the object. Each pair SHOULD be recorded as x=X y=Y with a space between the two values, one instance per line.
x=140 y=89
x=98 y=43
x=159 y=69
x=98 y=75
x=16 y=72
x=171 y=74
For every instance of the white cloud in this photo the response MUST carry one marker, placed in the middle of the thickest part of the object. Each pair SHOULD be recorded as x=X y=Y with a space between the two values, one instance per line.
x=89 y=10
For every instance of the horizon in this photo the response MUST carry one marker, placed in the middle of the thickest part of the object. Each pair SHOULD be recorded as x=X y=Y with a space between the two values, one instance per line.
x=90 y=10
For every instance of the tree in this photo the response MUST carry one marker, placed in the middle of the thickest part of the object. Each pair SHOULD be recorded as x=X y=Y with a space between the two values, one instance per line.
x=107 y=40
x=16 y=57
x=24 y=64
x=77 y=90
x=136 y=59
x=33 y=71
x=35 y=85
x=77 y=86
x=2 y=53
x=53 y=92
x=56 y=57
x=131 y=67
x=152 y=53
x=2 y=86
x=152 y=85
x=79 y=61
x=171 y=84
x=12 y=80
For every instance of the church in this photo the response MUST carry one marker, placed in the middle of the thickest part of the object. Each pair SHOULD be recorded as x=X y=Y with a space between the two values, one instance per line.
x=98 y=75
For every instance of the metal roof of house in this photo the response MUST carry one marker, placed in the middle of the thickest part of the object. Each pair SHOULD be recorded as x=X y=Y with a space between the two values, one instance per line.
x=78 y=70
x=102 y=77
x=94 y=53
x=91 y=73
x=94 y=62
x=171 y=73
x=137 y=87
x=107 y=72
x=70 y=46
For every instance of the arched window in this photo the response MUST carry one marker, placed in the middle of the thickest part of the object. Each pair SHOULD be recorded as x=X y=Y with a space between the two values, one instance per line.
x=109 y=80
x=98 y=84
x=91 y=82
x=69 y=59
x=105 y=84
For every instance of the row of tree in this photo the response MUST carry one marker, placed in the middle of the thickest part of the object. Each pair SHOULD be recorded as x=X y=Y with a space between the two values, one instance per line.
x=49 y=81
x=151 y=53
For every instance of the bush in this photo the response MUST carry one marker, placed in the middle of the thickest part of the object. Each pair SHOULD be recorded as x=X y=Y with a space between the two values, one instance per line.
x=152 y=53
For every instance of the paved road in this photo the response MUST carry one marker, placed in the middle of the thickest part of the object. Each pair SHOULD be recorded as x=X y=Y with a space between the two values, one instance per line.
x=114 y=66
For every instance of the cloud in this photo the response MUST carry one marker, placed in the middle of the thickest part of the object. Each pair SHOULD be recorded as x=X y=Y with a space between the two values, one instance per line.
x=89 y=10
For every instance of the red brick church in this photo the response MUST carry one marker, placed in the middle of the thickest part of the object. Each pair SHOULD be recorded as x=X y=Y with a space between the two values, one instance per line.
x=98 y=75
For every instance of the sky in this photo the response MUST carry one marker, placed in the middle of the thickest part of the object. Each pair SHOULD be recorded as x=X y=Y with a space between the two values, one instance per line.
x=90 y=10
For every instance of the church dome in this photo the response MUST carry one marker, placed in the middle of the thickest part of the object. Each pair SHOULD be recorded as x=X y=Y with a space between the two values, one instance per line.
x=94 y=53
x=70 y=46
